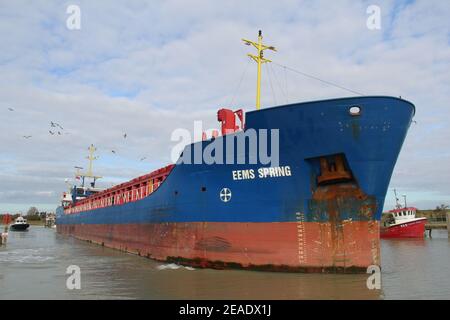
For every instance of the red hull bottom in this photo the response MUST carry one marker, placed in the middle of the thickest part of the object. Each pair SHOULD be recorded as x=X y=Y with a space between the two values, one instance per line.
x=415 y=229
x=349 y=247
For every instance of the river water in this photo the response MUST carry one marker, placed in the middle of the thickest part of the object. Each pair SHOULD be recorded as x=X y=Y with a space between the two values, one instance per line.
x=33 y=265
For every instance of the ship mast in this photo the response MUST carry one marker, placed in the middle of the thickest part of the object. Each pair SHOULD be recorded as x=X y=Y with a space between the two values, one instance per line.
x=89 y=173
x=259 y=59
x=91 y=158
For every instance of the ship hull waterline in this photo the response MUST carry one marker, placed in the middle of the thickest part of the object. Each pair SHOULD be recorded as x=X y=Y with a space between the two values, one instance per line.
x=294 y=247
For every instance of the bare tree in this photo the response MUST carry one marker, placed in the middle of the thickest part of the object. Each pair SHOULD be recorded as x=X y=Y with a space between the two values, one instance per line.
x=32 y=211
x=440 y=212
x=442 y=208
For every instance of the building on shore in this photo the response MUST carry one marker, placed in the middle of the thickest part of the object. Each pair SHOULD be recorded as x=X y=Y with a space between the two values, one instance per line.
x=50 y=219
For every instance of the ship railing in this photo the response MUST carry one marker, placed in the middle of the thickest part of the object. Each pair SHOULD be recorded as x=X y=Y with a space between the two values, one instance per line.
x=131 y=191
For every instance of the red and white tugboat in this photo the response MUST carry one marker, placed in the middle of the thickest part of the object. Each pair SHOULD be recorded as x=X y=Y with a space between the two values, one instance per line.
x=403 y=223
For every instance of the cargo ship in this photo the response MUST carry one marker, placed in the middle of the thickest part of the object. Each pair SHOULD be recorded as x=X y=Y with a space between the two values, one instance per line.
x=316 y=207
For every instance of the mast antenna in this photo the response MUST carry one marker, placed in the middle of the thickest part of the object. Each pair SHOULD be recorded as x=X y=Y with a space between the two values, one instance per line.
x=259 y=59
x=398 y=206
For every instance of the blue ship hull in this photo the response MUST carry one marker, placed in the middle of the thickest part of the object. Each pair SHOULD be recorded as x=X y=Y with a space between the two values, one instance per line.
x=284 y=221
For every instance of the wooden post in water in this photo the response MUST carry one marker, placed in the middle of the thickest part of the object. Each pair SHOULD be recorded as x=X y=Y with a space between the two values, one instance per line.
x=4 y=236
x=448 y=223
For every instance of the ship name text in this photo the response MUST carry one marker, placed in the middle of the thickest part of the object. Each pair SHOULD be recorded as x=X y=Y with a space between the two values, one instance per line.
x=262 y=173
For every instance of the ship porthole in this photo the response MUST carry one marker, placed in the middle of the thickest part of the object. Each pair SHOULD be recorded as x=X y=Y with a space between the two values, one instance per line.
x=355 y=111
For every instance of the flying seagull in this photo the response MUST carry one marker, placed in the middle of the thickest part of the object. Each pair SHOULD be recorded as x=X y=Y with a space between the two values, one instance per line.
x=10 y=109
x=142 y=159
x=55 y=124
x=52 y=133
x=125 y=136
x=59 y=133
x=27 y=137
x=113 y=151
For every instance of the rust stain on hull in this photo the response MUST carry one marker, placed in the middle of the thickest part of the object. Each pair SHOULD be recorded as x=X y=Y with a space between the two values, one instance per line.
x=345 y=206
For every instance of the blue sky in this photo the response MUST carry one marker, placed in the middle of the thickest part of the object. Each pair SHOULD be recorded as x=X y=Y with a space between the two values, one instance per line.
x=149 y=67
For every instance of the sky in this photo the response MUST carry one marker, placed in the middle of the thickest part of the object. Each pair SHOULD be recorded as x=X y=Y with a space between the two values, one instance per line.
x=146 y=68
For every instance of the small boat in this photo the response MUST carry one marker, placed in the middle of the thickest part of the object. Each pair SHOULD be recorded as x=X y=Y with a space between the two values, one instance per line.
x=402 y=223
x=19 y=225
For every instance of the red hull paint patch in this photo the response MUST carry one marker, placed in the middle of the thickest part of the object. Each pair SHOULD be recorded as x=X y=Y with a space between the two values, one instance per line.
x=290 y=246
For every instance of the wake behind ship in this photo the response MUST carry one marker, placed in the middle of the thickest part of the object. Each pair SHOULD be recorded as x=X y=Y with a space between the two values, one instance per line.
x=317 y=209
